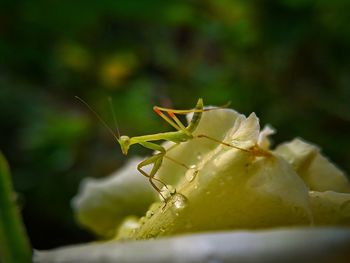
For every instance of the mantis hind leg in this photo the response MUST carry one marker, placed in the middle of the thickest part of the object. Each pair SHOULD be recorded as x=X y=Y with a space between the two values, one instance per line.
x=220 y=142
x=255 y=150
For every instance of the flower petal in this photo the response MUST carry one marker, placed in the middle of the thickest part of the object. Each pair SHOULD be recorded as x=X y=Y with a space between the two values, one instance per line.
x=316 y=170
x=330 y=208
x=102 y=204
x=282 y=245
x=263 y=139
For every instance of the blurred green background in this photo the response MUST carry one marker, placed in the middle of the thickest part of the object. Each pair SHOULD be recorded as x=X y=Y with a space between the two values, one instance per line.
x=286 y=60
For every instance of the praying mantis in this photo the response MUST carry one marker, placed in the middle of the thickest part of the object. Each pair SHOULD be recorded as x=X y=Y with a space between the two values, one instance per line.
x=182 y=134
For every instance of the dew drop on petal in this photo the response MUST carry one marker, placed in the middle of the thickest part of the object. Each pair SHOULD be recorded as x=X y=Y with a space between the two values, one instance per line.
x=167 y=191
x=193 y=167
x=191 y=173
x=179 y=202
x=149 y=214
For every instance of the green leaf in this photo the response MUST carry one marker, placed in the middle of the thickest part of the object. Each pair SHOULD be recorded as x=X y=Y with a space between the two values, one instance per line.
x=14 y=245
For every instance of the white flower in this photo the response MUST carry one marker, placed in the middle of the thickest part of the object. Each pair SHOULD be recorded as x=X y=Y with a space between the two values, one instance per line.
x=242 y=186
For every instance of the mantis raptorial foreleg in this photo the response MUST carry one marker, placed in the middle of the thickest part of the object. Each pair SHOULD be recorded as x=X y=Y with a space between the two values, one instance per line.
x=175 y=122
x=166 y=118
x=255 y=150
x=156 y=160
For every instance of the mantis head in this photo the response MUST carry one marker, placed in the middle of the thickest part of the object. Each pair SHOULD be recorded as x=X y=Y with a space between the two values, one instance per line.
x=124 y=142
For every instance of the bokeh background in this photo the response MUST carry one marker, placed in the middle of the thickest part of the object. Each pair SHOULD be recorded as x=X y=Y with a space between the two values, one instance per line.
x=287 y=60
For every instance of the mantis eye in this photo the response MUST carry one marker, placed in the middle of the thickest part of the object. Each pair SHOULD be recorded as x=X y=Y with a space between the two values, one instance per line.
x=124 y=139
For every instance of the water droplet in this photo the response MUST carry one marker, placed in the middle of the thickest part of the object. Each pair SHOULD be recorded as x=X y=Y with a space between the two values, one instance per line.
x=191 y=173
x=167 y=192
x=149 y=214
x=179 y=202
x=199 y=156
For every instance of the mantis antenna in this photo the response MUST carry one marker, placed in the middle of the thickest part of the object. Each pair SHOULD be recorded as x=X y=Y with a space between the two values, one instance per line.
x=99 y=118
x=113 y=114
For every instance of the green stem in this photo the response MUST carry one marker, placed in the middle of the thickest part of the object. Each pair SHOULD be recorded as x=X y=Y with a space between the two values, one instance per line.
x=14 y=245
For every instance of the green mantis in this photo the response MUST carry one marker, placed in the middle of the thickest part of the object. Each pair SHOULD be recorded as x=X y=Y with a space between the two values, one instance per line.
x=182 y=134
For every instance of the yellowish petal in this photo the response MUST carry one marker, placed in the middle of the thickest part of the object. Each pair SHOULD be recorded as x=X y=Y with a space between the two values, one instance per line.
x=316 y=170
x=330 y=208
x=102 y=204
